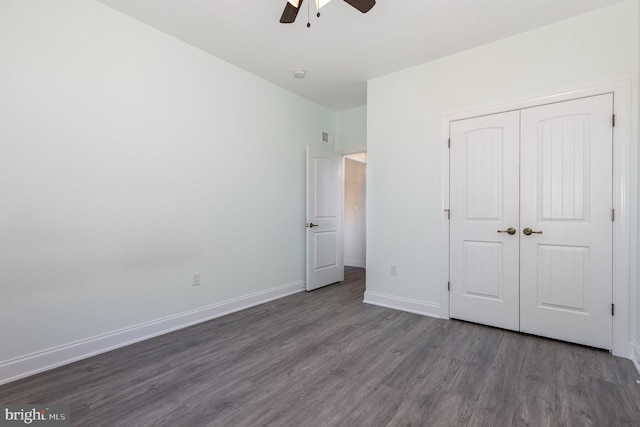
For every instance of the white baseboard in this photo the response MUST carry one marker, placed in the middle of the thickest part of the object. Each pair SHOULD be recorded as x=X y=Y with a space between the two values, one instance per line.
x=24 y=366
x=404 y=304
x=355 y=262
x=635 y=356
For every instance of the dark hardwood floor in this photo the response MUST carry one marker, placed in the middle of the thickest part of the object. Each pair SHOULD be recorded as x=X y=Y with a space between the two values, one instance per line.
x=325 y=358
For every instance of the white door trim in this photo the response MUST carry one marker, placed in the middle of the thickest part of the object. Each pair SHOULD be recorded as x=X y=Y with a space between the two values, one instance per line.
x=621 y=146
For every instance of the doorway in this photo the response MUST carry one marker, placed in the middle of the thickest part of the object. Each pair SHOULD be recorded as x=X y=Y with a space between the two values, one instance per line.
x=336 y=217
x=355 y=238
x=531 y=228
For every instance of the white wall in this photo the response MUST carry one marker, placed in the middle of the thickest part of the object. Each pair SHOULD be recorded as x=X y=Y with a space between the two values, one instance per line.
x=354 y=213
x=351 y=130
x=404 y=133
x=130 y=160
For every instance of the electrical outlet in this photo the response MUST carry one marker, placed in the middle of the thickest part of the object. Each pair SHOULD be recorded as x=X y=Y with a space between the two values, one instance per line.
x=394 y=270
x=195 y=279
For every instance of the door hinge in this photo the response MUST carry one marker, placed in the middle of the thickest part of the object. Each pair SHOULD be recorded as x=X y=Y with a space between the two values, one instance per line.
x=613 y=309
x=613 y=120
x=449 y=143
x=448 y=211
x=449 y=286
x=613 y=214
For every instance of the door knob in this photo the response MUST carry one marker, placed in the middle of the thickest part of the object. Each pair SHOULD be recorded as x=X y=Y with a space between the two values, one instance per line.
x=509 y=230
x=311 y=225
x=527 y=231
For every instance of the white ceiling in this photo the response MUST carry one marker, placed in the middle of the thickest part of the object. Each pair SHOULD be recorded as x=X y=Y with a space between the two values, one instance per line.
x=344 y=48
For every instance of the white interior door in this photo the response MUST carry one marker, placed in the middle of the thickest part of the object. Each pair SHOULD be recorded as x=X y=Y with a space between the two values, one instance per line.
x=483 y=207
x=325 y=186
x=566 y=194
x=553 y=277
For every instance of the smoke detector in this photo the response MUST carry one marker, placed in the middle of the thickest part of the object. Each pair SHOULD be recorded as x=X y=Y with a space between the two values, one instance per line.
x=299 y=73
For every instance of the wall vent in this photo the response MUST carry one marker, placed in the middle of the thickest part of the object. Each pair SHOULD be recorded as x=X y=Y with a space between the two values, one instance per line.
x=327 y=138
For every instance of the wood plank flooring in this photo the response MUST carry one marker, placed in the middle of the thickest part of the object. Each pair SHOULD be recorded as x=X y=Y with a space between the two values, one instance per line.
x=326 y=359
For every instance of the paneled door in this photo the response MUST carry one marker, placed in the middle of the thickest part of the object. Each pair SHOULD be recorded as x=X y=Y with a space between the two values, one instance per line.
x=531 y=220
x=325 y=187
x=566 y=242
x=484 y=220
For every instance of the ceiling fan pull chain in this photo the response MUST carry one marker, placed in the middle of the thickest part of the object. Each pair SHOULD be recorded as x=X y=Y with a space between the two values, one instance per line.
x=308 y=7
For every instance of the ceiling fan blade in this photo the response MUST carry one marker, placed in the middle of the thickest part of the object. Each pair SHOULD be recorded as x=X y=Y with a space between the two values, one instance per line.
x=362 y=5
x=290 y=12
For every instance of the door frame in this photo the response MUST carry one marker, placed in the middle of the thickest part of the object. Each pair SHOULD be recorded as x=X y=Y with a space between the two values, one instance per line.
x=345 y=156
x=621 y=90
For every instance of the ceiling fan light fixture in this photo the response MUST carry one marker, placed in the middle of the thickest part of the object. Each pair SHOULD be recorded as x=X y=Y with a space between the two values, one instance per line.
x=292 y=7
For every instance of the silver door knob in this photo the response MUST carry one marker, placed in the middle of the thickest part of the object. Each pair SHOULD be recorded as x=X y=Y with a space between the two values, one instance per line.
x=527 y=231
x=509 y=230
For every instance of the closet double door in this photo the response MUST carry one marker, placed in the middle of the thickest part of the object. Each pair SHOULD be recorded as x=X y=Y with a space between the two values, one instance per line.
x=531 y=220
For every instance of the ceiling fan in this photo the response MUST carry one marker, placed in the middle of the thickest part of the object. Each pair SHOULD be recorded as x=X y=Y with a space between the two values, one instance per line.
x=293 y=6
